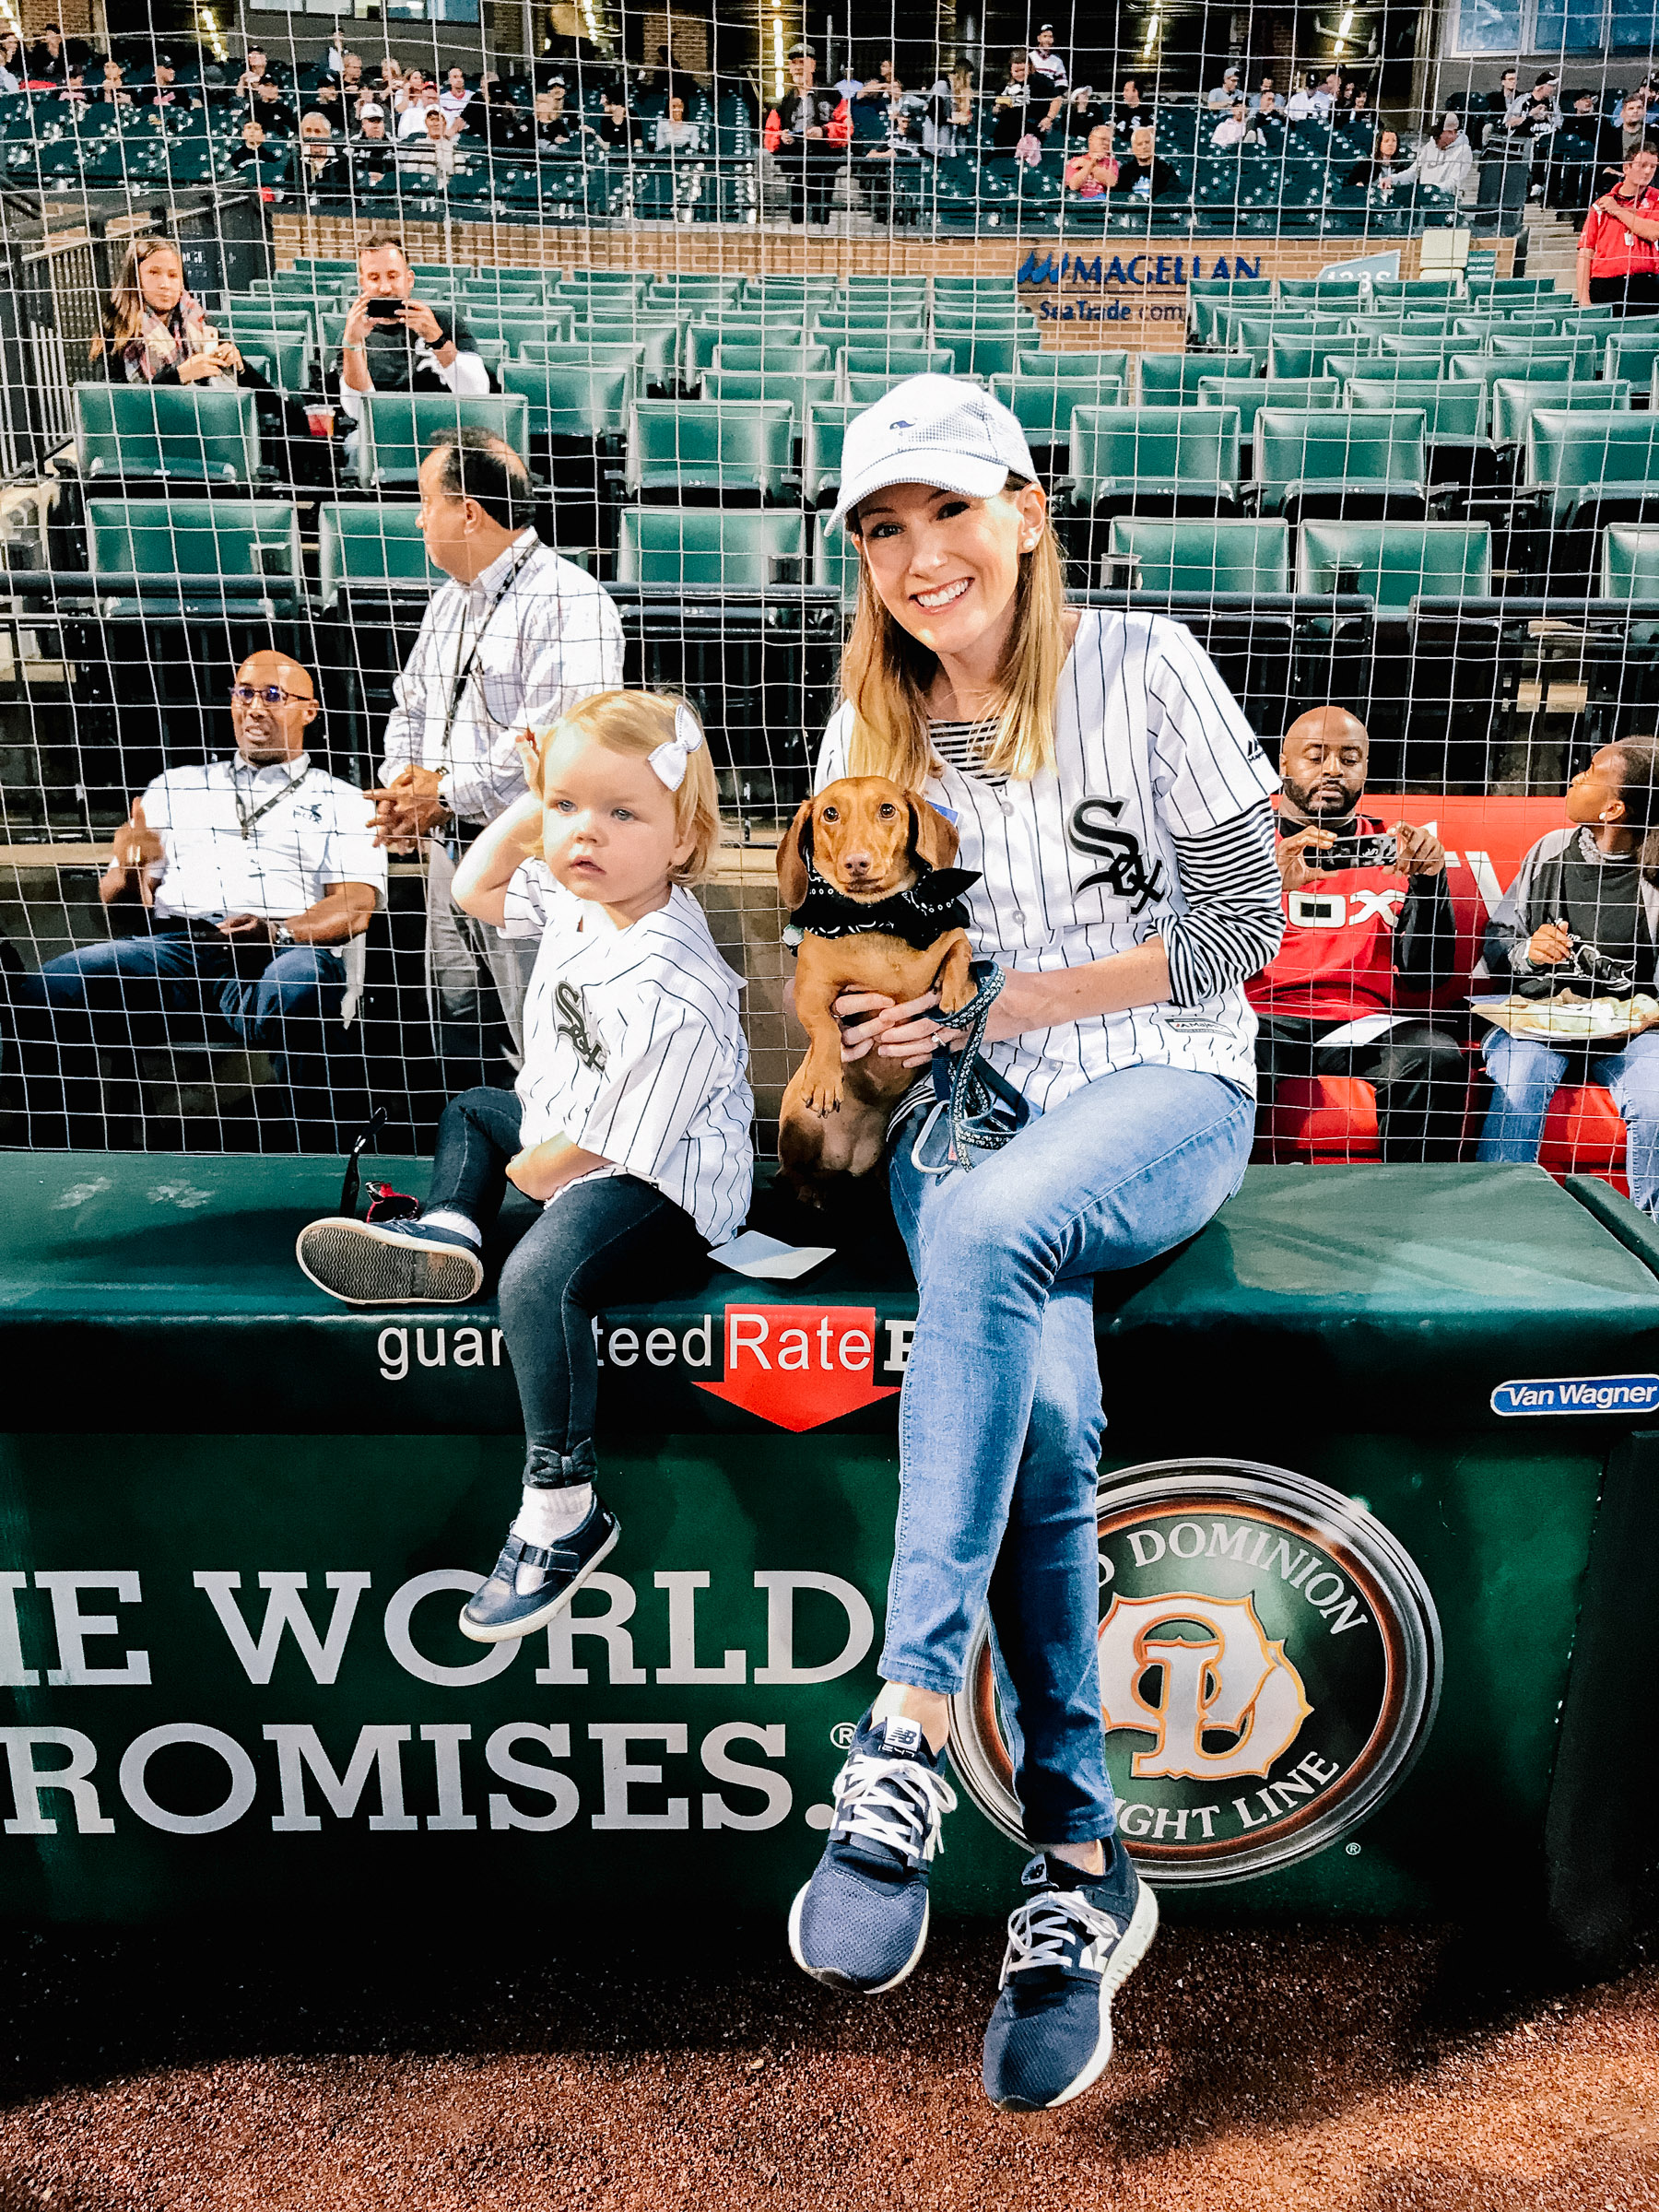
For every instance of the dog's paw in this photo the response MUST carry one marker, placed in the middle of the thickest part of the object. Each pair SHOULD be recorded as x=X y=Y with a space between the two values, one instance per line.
x=821 y=1086
x=953 y=998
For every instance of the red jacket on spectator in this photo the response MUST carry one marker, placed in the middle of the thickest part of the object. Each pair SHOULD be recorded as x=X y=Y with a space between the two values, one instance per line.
x=1617 y=251
x=823 y=109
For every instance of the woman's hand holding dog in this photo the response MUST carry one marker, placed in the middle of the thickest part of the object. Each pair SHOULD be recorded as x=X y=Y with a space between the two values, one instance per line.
x=1027 y=1001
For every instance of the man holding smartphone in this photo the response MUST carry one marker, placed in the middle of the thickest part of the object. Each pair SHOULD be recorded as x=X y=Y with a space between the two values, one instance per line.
x=394 y=342
x=1370 y=934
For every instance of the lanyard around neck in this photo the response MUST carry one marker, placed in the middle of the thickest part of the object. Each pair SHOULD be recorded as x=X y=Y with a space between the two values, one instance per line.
x=464 y=668
x=248 y=818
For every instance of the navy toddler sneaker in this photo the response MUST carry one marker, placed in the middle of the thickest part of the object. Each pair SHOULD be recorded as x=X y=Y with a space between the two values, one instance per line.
x=390 y=1264
x=530 y=1585
x=1070 y=1950
x=860 y=1921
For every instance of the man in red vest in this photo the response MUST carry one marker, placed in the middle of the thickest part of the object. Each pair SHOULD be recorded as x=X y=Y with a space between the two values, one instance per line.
x=1370 y=936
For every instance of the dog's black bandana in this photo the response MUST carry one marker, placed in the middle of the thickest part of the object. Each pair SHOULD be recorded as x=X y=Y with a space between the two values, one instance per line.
x=932 y=904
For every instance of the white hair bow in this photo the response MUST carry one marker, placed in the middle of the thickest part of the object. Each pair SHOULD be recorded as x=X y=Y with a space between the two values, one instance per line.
x=672 y=759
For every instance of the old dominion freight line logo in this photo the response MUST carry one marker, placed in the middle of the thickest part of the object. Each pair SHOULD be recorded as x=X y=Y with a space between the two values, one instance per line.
x=1270 y=1665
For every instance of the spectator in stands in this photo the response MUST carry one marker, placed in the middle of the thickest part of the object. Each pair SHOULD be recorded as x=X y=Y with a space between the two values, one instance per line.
x=1445 y=162
x=1587 y=149
x=514 y=639
x=12 y=67
x=388 y=77
x=350 y=73
x=257 y=69
x=1632 y=126
x=1618 y=247
x=1143 y=174
x=1270 y=118
x=394 y=342
x=326 y=101
x=53 y=56
x=1092 y=173
x=114 y=91
x=154 y=332
x=947 y=122
x=270 y=110
x=1221 y=99
x=1266 y=93
x=241 y=878
x=554 y=132
x=1325 y=95
x=315 y=166
x=675 y=133
x=808 y=135
x=1084 y=115
x=373 y=156
x=1046 y=61
x=1380 y=171
x=1582 y=917
x=1498 y=104
x=257 y=159
x=1131 y=109
x=419 y=98
x=73 y=92
x=163 y=89
x=849 y=85
x=434 y=154
x=1023 y=108
x=617 y=131
x=456 y=94
x=1235 y=130
x=1356 y=942
x=898 y=141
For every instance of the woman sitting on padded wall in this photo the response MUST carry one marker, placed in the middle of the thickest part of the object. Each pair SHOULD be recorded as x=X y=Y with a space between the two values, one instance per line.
x=1111 y=804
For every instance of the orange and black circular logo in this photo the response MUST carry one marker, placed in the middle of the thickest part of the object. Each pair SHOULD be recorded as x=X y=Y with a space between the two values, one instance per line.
x=1269 y=1663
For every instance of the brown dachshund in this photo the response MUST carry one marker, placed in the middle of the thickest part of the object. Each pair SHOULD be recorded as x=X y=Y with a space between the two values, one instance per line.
x=869 y=867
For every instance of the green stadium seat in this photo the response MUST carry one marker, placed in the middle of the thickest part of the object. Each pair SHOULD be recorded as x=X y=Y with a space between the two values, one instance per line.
x=895 y=362
x=1630 y=355
x=1316 y=357
x=1395 y=563
x=781 y=360
x=720 y=548
x=1087 y=369
x=573 y=401
x=1042 y=405
x=1172 y=380
x=678 y=293
x=1455 y=411
x=663 y=336
x=1129 y=457
x=835 y=564
x=1215 y=556
x=1385 y=369
x=313 y=264
x=1630 y=563
x=282 y=358
x=767 y=292
x=866 y=326
x=177 y=430
x=679 y=446
x=1250 y=396
x=1323 y=459
x=1206 y=294
x=199 y=539
x=1400 y=347
x=378 y=544
x=981 y=353
x=1582 y=352
x=397 y=429
x=257 y=316
x=540 y=326
x=1388 y=290
x=1486 y=367
x=1584 y=462
x=824 y=426
x=1322 y=291
x=1516 y=400
x=1497 y=289
x=731 y=387
x=578 y=355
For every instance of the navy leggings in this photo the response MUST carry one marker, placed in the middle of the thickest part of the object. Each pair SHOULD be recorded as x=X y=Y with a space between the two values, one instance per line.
x=612 y=1238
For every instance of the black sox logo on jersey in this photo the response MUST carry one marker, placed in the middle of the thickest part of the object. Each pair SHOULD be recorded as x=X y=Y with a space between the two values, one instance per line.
x=588 y=1048
x=1091 y=830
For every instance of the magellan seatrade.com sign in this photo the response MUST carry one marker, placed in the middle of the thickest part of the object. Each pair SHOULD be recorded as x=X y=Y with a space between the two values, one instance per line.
x=1123 y=283
x=1270 y=1665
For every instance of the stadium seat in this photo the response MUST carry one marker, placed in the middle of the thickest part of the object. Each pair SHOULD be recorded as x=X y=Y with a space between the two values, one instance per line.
x=1486 y=367
x=896 y=361
x=1339 y=460
x=1583 y=352
x=729 y=387
x=541 y=325
x=1206 y=294
x=825 y=425
x=371 y=544
x=283 y=358
x=709 y=334
x=1395 y=563
x=1397 y=290
x=1516 y=401
x=1629 y=561
x=199 y=539
x=1042 y=405
x=980 y=353
x=679 y=292
x=1629 y=355
x=1585 y=463
x=663 y=337
x=679 y=446
x=609 y=354
x=572 y=401
x=1315 y=356
x=1250 y=396
x=1456 y=412
x=1153 y=555
x=1172 y=380
x=867 y=326
x=1126 y=458
x=1584 y=1135
x=1086 y=370
x=166 y=431
x=835 y=564
x=396 y=429
x=710 y=548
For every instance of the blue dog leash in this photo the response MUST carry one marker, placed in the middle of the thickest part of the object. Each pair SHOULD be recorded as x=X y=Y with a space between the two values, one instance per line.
x=980 y=1111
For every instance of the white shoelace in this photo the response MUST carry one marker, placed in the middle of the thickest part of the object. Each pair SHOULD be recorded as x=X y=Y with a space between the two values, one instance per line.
x=892 y=1801
x=1042 y=1931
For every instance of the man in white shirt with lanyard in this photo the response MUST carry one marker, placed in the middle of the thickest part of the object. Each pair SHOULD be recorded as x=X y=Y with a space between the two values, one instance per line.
x=242 y=878
x=513 y=641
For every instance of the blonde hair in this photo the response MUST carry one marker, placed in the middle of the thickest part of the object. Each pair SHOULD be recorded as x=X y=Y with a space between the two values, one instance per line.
x=123 y=311
x=634 y=723
x=886 y=674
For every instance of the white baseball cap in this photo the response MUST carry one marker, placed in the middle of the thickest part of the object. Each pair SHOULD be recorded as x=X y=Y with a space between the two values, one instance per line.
x=934 y=430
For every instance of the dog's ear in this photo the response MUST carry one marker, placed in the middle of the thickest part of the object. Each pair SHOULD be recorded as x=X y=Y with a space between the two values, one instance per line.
x=933 y=838
x=795 y=850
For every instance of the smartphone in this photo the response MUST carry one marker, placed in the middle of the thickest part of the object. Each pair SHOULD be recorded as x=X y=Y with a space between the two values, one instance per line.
x=1377 y=851
x=384 y=310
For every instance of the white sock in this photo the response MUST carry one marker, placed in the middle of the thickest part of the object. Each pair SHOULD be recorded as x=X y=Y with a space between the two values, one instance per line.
x=445 y=1216
x=547 y=1516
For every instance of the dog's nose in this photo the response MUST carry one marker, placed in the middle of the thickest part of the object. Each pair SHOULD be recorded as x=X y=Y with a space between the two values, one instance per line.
x=857 y=863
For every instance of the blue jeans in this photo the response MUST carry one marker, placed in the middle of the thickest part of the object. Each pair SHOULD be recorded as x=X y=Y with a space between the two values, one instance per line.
x=1526 y=1073
x=1001 y=1419
x=202 y=991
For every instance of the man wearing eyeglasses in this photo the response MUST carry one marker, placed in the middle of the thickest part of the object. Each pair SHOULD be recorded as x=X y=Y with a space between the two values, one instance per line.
x=232 y=887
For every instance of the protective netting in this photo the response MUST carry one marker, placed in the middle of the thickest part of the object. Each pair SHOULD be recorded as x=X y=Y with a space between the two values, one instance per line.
x=1300 y=361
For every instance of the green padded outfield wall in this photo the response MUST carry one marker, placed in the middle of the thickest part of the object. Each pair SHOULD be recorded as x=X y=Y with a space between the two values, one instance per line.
x=1340 y=1593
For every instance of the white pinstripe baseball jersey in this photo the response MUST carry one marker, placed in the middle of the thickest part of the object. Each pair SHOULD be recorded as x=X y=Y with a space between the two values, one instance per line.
x=1153 y=821
x=633 y=1048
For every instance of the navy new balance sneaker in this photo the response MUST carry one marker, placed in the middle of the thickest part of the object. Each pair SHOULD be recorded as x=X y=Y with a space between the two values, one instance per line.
x=860 y=1921
x=390 y=1264
x=1071 y=1948
x=530 y=1585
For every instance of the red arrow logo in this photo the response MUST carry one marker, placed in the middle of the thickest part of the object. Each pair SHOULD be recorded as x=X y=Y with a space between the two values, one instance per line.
x=800 y=1366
